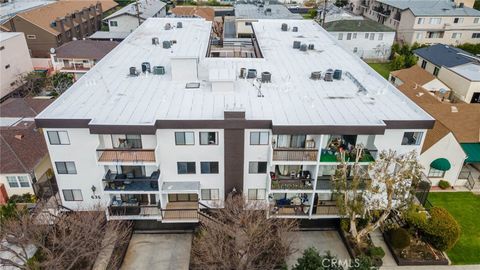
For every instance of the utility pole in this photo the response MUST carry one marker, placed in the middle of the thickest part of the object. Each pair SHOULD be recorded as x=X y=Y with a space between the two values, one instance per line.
x=138 y=12
x=323 y=12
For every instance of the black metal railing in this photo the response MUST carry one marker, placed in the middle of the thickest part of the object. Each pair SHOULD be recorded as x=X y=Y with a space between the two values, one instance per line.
x=294 y=154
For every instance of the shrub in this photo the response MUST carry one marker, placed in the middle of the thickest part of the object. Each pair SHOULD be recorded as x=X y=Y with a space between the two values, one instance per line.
x=376 y=252
x=362 y=263
x=416 y=217
x=442 y=230
x=443 y=184
x=312 y=260
x=399 y=238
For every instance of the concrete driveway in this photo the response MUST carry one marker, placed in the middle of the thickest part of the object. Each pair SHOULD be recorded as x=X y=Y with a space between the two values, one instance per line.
x=321 y=240
x=158 y=251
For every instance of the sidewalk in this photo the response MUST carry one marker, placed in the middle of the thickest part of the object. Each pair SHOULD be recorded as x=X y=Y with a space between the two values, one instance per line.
x=377 y=239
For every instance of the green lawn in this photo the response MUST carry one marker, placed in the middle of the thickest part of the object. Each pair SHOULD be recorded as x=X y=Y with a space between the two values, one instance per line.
x=382 y=68
x=465 y=207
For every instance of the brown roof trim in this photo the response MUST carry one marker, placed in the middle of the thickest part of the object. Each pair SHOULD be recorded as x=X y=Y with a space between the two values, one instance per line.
x=232 y=123
x=407 y=124
x=344 y=130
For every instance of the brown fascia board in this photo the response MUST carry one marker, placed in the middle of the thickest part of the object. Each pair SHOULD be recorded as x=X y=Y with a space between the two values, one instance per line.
x=234 y=123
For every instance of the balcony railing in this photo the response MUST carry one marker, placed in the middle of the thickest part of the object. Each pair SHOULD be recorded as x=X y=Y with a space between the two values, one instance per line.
x=334 y=156
x=295 y=154
x=290 y=210
x=134 y=210
x=306 y=184
x=325 y=210
x=126 y=155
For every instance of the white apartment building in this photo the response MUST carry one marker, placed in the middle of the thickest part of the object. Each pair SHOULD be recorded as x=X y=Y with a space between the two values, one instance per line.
x=426 y=21
x=159 y=124
x=129 y=17
x=15 y=61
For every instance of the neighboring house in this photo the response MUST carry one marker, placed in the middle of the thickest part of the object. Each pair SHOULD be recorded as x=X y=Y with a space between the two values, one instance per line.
x=365 y=38
x=24 y=158
x=154 y=131
x=78 y=56
x=15 y=61
x=334 y=13
x=452 y=148
x=107 y=35
x=131 y=16
x=456 y=68
x=193 y=12
x=52 y=25
x=10 y=8
x=245 y=14
x=426 y=21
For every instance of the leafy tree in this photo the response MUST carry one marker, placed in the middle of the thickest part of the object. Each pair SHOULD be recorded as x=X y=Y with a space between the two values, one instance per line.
x=441 y=229
x=60 y=82
x=312 y=13
x=312 y=260
x=341 y=3
x=398 y=62
x=8 y=211
x=469 y=47
x=476 y=5
x=387 y=186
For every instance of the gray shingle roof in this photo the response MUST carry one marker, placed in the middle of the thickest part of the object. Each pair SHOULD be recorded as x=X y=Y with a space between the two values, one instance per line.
x=147 y=9
x=444 y=55
x=432 y=8
x=86 y=49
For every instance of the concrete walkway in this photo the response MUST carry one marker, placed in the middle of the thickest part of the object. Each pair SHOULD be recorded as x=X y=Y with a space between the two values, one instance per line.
x=377 y=239
x=321 y=240
x=158 y=251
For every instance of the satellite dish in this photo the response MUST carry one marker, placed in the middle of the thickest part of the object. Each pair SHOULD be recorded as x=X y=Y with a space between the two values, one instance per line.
x=52 y=50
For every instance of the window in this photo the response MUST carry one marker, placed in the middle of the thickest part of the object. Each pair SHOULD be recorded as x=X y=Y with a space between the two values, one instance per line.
x=186 y=167
x=256 y=194
x=184 y=138
x=458 y=20
x=476 y=35
x=127 y=141
x=31 y=37
x=208 y=138
x=257 y=167
x=12 y=182
x=380 y=36
x=366 y=35
x=114 y=23
x=354 y=35
x=355 y=50
x=340 y=36
x=419 y=35
x=435 y=34
x=456 y=35
x=476 y=20
x=210 y=194
x=435 y=20
x=412 y=138
x=349 y=36
x=23 y=180
x=435 y=173
x=58 y=137
x=257 y=138
x=372 y=36
x=72 y=195
x=421 y=21
x=435 y=71
x=209 y=167
x=424 y=64
x=66 y=167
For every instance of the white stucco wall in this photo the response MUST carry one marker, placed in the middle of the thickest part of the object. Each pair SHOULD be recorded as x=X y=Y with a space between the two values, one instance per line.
x=365 y=47
x=449 y=148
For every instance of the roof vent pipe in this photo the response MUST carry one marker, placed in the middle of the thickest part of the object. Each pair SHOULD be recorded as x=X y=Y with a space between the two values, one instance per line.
x=133 y=71
x=266 y=77
x=155 y=41
x=303 y=47
x=179 y=25
x=166 y=44
x=294 y=29
x=316 y=75
x=168 y=26
x=243 y=73
x=311 y=46
x=252 y=73
x=284 y=27
x=146 y=67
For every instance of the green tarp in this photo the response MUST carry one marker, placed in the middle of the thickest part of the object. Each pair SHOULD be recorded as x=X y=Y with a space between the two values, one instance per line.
x=441 y=164
x=472 y=150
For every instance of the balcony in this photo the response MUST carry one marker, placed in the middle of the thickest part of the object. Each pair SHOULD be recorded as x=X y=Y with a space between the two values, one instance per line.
x=325 y=208
x=126 y=155
x=324 y=184
x=128 y=182
x=332 y=155
x=295 y=154
x=301 y=181
x=127 y=210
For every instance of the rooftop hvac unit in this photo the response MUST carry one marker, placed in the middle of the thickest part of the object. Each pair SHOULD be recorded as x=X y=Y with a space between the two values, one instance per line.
x=311 y=46
x=243 y=73
x=166 y=44
x=168 y=26
x=328 y=75
x=133 y=71
x=146 y=67
x=252 y=74
x=294 y=29
x=296 y=44
x=159 y=70
x=155 y=41
x=337 y=74
x=316 y=75
x=266 y=77
x=303 y=47
x=179 y=25
x=284 y=27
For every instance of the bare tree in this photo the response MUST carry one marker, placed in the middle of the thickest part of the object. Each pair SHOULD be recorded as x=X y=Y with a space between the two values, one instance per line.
x=67 y=241
x=373 y=194
x=240 y=236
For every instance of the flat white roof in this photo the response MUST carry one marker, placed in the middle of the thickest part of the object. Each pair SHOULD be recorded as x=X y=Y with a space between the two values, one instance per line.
x=471 y=71
x=6 y=35
x=10 y=9
x=108 y=96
